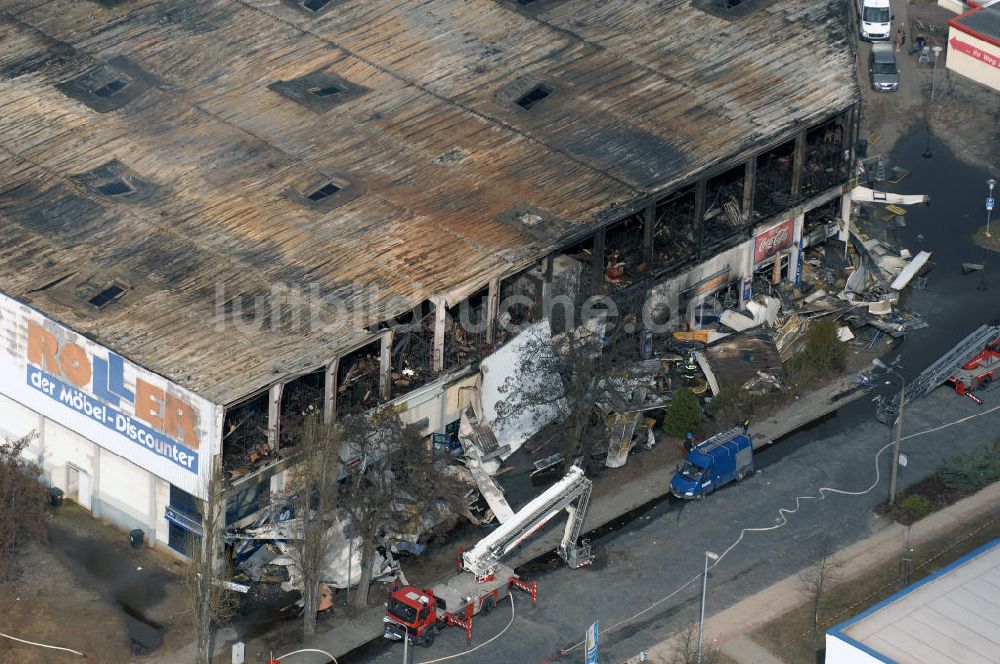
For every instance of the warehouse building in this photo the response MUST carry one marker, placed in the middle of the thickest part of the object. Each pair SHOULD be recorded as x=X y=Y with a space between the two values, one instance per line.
x=219 y=217
x=951 y=617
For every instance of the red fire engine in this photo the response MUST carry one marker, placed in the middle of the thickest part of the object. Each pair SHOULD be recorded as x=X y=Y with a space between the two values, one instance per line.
x=977 y=373
x=418 y=614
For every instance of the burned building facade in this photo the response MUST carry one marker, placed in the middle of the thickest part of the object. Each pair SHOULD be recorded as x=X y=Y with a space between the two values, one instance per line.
x=263 y=210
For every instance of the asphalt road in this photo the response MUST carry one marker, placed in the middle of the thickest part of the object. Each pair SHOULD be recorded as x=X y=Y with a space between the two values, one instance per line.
x=660 y=551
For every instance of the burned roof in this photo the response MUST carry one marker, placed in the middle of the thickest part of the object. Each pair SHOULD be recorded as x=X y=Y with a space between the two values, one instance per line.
x=358 y=156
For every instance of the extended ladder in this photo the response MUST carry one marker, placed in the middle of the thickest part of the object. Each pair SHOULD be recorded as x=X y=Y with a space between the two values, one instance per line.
x=937 y=373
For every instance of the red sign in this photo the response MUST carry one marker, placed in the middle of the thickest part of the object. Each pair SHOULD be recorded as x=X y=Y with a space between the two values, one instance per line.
x=772 y=241
x=974 y=52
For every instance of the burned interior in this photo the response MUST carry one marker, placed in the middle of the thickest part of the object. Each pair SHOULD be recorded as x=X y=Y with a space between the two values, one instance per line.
x=301 y=398
x=675 y=237
x=773 y=187
x=466 y=337
x=358 y=379
x=245 y=436
x=826 y=152
x=413 y=348
x=723 y=222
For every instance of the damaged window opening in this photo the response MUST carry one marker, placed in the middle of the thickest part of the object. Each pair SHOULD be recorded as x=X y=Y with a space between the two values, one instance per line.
x=820 y=222
x=533 y=96
x=327 y=190
x=465 y=332
x=773 y=185
x=115 y=187
x=623 y=261
x=244 y=437
x=106 y=296
x=520 y=304
x=301 y=398
x=674 y=241
x=358 y=380
x=825 y=162
x=723 y=223
x=315 y=5
x=327 y=90
x=413 y=348
x=110 y=88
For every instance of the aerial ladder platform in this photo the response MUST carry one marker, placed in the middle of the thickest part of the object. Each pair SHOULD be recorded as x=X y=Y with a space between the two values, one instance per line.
x=938 y=373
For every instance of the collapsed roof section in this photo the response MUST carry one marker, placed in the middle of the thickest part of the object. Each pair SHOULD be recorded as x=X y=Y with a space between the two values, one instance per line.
x=356 y=161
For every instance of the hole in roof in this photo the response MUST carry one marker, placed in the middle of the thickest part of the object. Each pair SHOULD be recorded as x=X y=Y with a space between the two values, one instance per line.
x=533 y=96
x=327 y=90
x=327 y=190
x=106 y=296
x=529 y=219
x=315 y=5
x=729 y=4
x=110 y=88
x=115 y=187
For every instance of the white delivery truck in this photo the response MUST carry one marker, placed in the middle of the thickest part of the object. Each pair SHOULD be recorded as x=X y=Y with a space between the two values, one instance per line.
x=875 y=20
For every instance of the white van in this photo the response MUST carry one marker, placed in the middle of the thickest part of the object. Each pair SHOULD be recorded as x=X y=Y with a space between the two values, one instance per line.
x=875 y=19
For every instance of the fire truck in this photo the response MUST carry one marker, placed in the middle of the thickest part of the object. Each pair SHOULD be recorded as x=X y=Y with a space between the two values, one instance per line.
x=977 y=374
x=483 y=581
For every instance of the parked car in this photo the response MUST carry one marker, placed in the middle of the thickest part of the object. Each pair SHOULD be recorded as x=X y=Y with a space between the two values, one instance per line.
x=882 y=68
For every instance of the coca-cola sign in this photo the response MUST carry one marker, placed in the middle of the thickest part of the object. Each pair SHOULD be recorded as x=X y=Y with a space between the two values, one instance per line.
x=773 y=240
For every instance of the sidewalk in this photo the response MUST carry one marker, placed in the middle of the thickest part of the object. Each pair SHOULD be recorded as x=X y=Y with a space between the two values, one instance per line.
x=350 y=634
x=728 y=628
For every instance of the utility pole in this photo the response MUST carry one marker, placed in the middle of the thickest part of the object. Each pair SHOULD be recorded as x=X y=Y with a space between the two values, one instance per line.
x=899 y=432
x=989 y=204
x=704 y=589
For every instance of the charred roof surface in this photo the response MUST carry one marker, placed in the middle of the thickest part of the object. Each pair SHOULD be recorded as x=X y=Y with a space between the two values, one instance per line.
x=265 y=150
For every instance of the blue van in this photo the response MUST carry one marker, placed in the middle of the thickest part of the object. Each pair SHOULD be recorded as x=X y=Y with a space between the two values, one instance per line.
x=714 y=463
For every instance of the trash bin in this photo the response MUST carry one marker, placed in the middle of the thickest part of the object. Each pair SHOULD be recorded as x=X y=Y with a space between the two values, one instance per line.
x=56 y=496
x=136 y=536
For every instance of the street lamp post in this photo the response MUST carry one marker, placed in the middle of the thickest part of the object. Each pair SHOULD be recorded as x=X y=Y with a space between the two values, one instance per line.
x=899 y=427
x=989 y=204
x=937 y=51
x=704 y=589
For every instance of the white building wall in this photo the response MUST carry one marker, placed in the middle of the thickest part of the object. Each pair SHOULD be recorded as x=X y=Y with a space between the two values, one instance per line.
x=126 y=494
x=16 y=421
x=839 y=651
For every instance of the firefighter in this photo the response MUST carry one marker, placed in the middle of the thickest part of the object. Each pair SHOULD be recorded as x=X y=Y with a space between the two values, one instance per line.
x=690 y=368
x=746 y=425
x=689 y=441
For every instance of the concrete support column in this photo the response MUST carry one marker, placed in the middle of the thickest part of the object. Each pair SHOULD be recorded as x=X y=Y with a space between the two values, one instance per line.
x=798 y=163
x=746 y=279
x=749 y=182
x=700 y=190
x=330 y=390
x=600 y=239
x=648 y=220
x=492 y=309
x=795 y=253
x=385 y=365
x=845 y=217
x=440 y=318
x=274 y=415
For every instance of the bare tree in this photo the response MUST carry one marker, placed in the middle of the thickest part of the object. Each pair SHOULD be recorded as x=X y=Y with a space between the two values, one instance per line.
x=393 y=479
x=315 y=482
x=816 y=579
x=211 y=603
x=22 y=499
x=571 y=372
x=686 y=649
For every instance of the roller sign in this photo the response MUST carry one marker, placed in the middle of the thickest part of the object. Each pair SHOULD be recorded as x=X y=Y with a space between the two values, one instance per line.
x=123 y=407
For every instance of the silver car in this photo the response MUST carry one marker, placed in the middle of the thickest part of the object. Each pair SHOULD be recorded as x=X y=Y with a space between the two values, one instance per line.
x=882 y=69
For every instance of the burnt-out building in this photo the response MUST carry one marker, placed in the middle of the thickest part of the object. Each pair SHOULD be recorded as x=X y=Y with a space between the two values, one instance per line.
x=218 y=217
